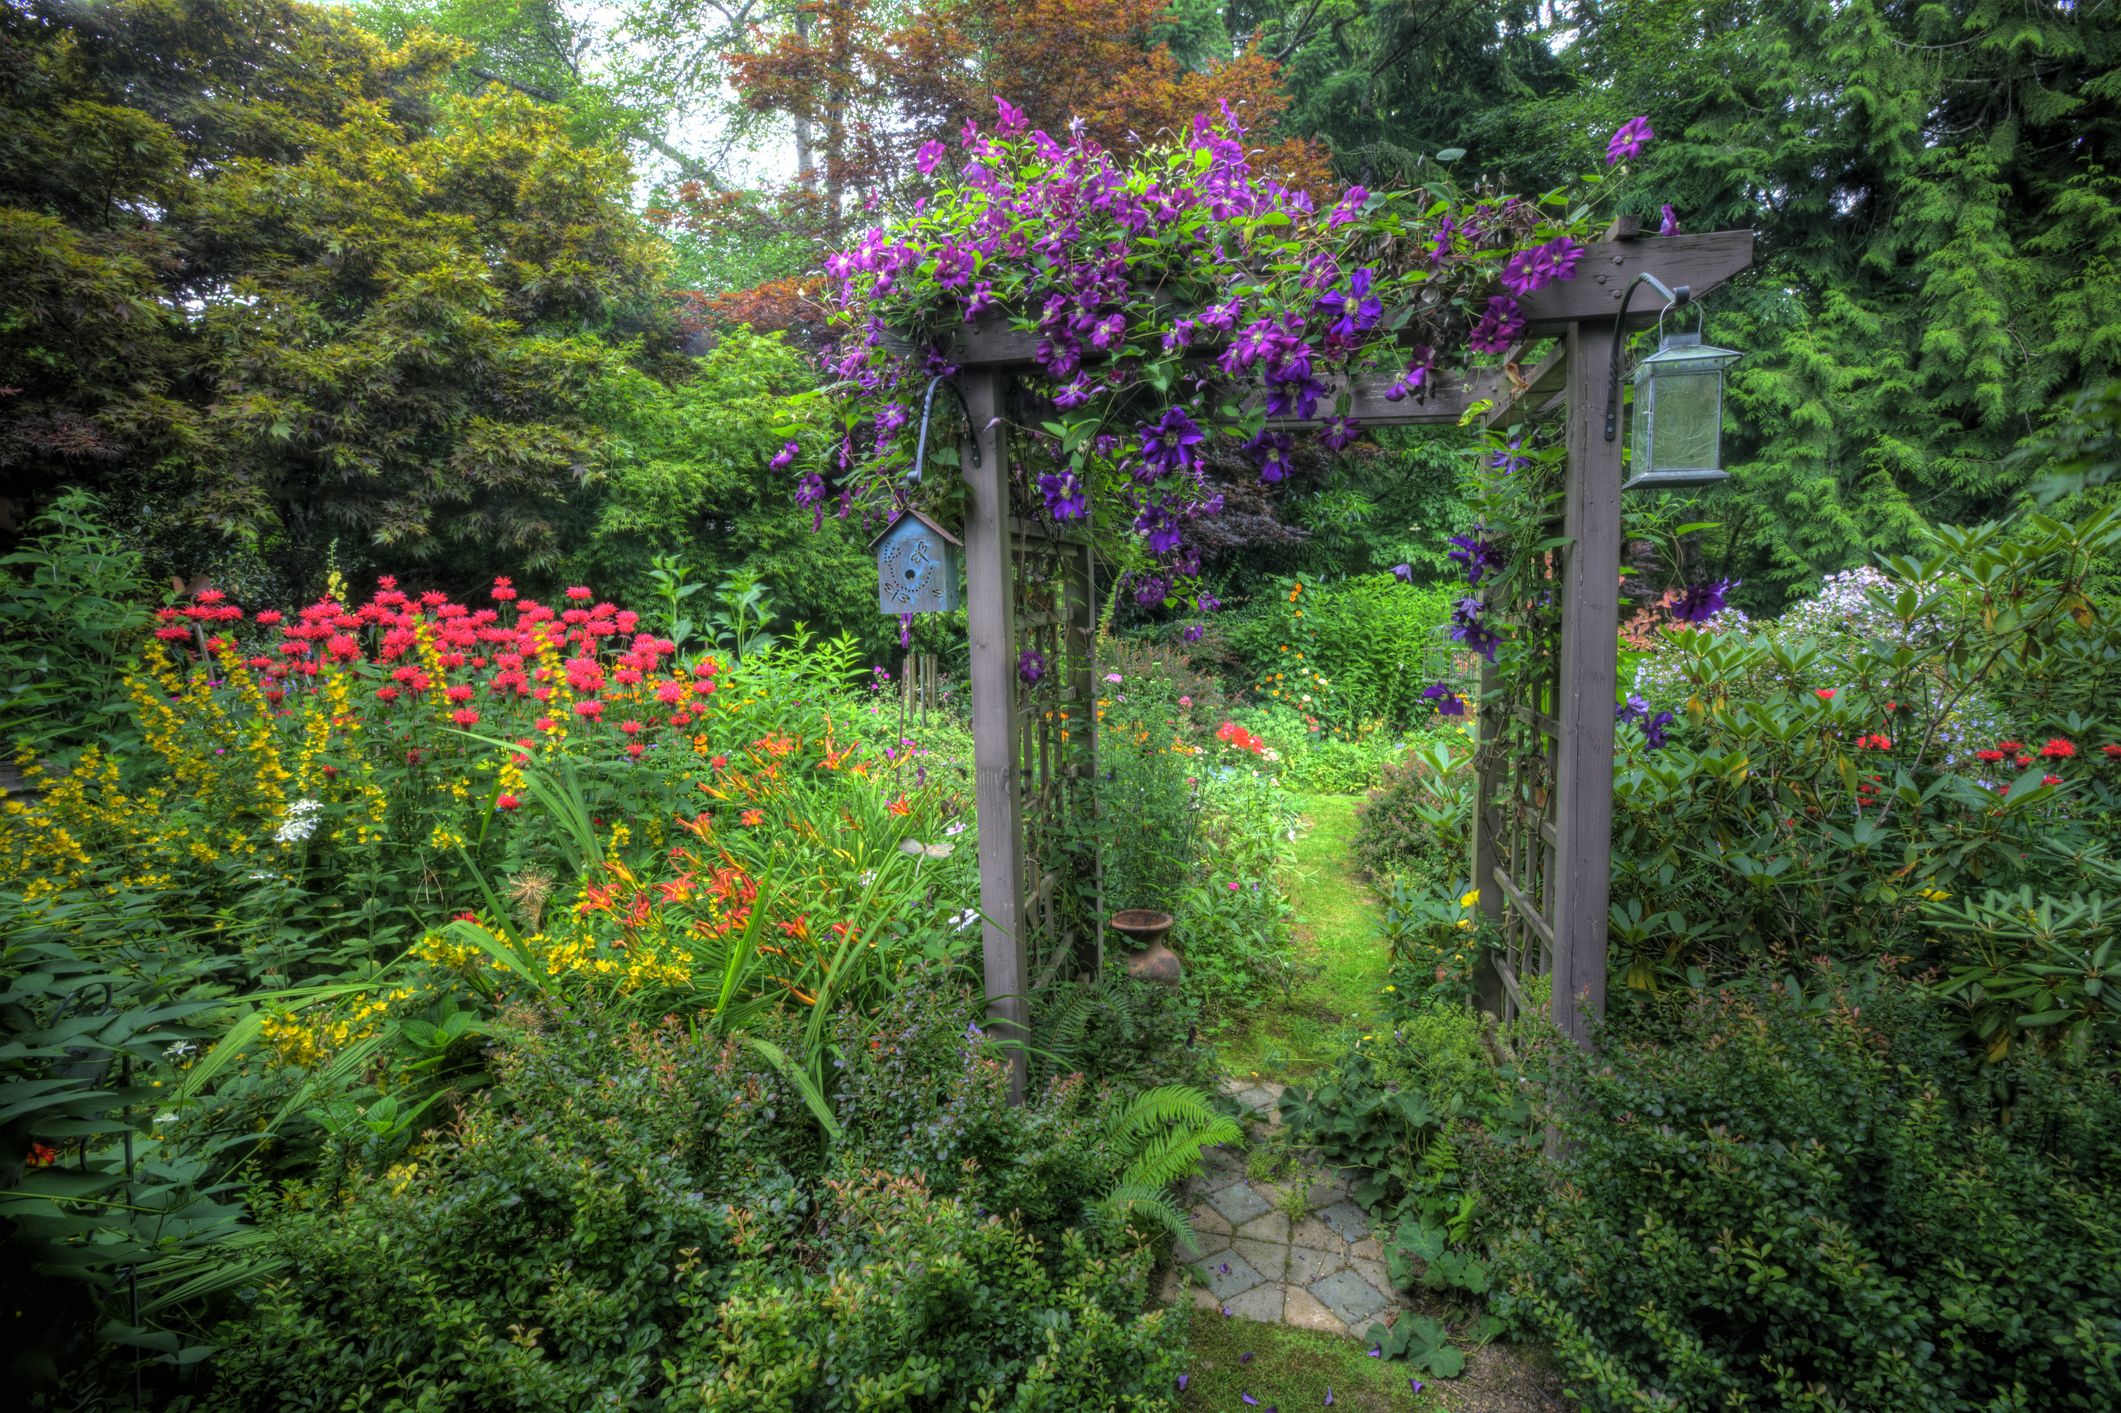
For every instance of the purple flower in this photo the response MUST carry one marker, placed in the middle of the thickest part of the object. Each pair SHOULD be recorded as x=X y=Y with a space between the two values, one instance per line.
x=931 y=153
x=1670 y=224
x=1404 y=573
x=1294 y=397
x=1183 y=1380
x=1271 y=450
x=1440 y=242
x=980 y=300
x=1065 y=497
x=1159 y=527
x=1349 y=208
x=1353 y=309
x=1246 y=1357
x=1223 y=1269
x=905 y=630
x=1477 y=553
x=1531 y=270
x=1152 y=590
x=1340 y=433
x=1329 y=1395
x=1467 y=628
x=1448 y=702
x=1414 y=1384
x=1416 y=376
x=1193 y=632
x=1030 y=666
x=1507 y=460
x=1207 y=602
x=1012 y=120
x=785 y=458
x=1249 y=1400
x=1628 y=141
x=1498 y=326
x=1698 y=603
x=1167 y=443
x=1637 y=710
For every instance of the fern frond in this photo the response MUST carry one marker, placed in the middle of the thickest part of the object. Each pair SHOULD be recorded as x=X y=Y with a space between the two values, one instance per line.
x=1134 y=1204
x=1164 y=1158
x=1168 y=1105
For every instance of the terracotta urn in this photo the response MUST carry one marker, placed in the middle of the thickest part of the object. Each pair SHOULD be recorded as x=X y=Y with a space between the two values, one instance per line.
x=1148 y=958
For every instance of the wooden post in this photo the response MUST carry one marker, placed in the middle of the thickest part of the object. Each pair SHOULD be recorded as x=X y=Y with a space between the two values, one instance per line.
x=1079 y=640
x=1590 y=666
x=1487 y=778
x=990 y=612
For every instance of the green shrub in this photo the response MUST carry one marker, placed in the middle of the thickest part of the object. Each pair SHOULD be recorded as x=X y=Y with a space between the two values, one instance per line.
x=638 y=1216
x=71 y=616
x=1808 y=1199
x=1418 y=820
x=1344 y=653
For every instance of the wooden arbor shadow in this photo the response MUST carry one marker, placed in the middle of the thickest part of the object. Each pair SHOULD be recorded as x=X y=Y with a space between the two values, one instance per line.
x=1542 y=838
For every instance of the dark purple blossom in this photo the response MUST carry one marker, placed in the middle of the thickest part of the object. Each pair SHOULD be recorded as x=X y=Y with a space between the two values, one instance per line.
x=1697 y=603
x=1629 y=141
x=1030 y=666
x=1448 y=702
x=785 y=457
x=1468 y=628
x=1157 y=525
x=1066 y=499
x=1421 y=363
x=1193 y=632
x=1669 y=226
x=1637 y=710
x=1340 y=433
x=1012 y=120
x=1498 y=326
x=1351 y=310
x=1531 y=270
x=931 y=153
x=1404 y=573
x=1477 y=553
x=1507 y=460
x=1152 y=590
x=1350 y=207
x=1294 y=397
x=1167 y=443
x=1270 y=449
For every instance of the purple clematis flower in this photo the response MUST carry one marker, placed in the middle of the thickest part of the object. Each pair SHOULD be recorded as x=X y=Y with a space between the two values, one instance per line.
x=1477 y=553
x=1167 y=443
x=1698 y=603
x=1340 y=433
x=1632 y=137
x=1404 y=573
x=1012 y=120
x=1271 y=450
x=1295 y=396
x=931 y=153
x=1193 y=632
x=1157 y=525
x=1183 y=1380
x=1030 y=666
x=1669 y=226
x=1467 y=628
x=1498 y=326
x=1448 y=702
x=1065 y=497
x=1418 y=370
x=1534 y=269
x=785 y=457
x=1349 y=208
x=1353 y=309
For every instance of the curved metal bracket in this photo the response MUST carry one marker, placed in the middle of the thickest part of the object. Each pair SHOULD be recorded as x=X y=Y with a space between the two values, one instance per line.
x=1673 y=299
x=920 y=445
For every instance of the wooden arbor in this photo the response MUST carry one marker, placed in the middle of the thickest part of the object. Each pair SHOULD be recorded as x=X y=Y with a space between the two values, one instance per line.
x=1543 y=821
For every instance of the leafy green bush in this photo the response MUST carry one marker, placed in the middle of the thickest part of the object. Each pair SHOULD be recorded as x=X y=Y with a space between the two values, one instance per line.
x=1347 y=652
x=1830 y=784
x=1418 y=821
x=1149 y=780
x=1806 y=1198
x=639 y=1216
x=70 y=617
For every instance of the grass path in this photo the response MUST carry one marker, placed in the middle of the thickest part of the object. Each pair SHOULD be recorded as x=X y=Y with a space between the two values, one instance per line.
x=1336 y=939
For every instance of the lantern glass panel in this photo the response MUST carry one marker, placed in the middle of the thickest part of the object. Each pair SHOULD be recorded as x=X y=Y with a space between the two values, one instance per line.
x=1679 y=427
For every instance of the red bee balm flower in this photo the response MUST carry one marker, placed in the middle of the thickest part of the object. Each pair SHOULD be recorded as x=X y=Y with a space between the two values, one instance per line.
x=2050 y=780
x=507 y=802
x=1988 y=755
x=2113 y=751
x=2058 y=749
x=1825 y=694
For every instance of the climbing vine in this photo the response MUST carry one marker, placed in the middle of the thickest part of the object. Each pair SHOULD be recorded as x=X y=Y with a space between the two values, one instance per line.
x=1177 y=295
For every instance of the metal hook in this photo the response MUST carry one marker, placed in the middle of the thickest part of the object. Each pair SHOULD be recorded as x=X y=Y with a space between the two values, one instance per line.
x=1673 y=299
x=920 y=445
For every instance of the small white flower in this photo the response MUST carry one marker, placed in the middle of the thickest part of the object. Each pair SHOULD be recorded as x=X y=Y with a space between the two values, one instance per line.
x=167 y=1116
x=954 y=827
x=301 y=821
x=179 y=1050
x=964 y=919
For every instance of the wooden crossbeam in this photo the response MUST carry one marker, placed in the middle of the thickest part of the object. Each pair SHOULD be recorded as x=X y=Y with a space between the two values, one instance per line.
x=1701 y=262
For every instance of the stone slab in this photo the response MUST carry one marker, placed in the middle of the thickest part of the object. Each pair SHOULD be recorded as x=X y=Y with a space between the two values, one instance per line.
x=1347 y=1219
x=1303 y=1310
x=1268 y=1258
x=1350 y=1297
x=1239 y=1204
x=1227 y=1274
x=1315 y=1233
x=1268 y=1226
x=1263 y=1305
x=1307 y=1264
x=1368 y=1249
x=1207 y=1221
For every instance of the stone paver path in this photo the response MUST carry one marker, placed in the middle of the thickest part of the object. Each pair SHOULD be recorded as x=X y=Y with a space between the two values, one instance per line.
x=1324 y=1270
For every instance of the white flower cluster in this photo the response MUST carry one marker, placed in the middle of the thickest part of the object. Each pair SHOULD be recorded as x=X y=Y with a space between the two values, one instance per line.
x=301 y=822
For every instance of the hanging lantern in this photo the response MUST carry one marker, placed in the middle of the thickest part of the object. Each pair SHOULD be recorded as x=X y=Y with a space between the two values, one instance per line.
x=1678 y=440
x=917 y=564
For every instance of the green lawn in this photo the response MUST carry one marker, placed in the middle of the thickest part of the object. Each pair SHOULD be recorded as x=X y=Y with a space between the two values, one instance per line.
x=1337 y=917
x=1289 y=1369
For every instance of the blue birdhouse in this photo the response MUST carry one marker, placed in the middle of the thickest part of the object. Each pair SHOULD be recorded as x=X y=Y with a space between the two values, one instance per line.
x=917 y=564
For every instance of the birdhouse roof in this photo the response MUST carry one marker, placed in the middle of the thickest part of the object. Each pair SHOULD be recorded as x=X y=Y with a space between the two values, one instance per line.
x=903 y=516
